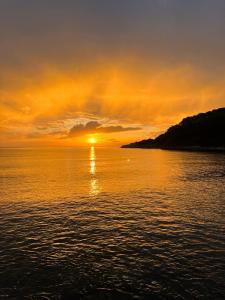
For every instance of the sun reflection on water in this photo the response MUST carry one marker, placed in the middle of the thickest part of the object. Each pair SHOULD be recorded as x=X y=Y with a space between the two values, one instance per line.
x=94 y=186
x=92 y=161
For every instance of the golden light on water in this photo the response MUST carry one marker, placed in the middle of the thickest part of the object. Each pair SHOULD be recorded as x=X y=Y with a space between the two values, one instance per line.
x=92 y=161
x=94 y=187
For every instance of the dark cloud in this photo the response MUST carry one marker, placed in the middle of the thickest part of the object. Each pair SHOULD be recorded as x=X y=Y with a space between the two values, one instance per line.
x=108 y=129
x=96 y=127
x=189 y=31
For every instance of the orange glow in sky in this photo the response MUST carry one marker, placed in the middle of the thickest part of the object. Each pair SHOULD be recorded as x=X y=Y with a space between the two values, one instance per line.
x=120 y=106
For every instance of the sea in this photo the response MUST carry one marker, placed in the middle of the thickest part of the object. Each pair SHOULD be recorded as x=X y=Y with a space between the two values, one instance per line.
x=111 y=223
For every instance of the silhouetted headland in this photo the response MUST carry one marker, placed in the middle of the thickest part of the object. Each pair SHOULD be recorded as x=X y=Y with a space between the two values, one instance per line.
x=203 y=132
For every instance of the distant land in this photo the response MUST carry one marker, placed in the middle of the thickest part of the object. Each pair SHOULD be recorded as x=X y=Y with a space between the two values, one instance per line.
x=203 y=132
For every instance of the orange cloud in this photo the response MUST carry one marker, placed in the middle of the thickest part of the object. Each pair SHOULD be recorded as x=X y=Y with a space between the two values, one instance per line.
x=128 y=94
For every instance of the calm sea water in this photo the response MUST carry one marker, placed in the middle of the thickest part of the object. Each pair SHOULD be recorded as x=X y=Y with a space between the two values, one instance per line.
x=111 y=224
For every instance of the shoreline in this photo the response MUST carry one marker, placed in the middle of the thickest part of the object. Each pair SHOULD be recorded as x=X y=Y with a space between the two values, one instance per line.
x=186 y=148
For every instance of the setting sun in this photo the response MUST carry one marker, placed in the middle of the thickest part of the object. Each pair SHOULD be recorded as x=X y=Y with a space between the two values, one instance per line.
x=92 y=140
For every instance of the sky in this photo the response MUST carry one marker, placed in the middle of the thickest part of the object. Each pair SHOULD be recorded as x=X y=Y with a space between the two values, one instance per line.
x=118 y=71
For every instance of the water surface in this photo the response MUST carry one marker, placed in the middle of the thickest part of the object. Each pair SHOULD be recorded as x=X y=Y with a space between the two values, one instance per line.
x=111 y=224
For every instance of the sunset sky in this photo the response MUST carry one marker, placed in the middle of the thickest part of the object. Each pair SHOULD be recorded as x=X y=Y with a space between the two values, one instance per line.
x=118 y=70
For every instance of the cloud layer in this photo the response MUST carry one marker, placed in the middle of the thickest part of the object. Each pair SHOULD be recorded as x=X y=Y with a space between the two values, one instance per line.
x=94 y=127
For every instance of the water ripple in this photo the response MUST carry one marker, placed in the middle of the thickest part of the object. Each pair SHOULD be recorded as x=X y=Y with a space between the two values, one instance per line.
x=160 y=238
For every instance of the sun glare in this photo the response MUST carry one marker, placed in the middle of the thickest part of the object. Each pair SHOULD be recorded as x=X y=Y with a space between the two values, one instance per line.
x=92 y=140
